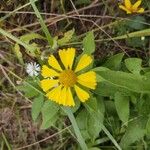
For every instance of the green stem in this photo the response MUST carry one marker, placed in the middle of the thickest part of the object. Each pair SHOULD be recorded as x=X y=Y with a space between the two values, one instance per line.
x=6 y=142
x=43 y=25
x=76 y=128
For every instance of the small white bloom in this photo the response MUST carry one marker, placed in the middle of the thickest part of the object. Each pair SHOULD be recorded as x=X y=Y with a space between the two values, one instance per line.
x=143 y=38
x=33 y=69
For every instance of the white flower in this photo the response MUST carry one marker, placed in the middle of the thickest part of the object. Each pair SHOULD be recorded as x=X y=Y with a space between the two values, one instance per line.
x=33 y=69
x=142 y=38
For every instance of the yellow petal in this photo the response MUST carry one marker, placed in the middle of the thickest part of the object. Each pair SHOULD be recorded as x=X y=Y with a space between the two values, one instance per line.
x=140 y=10
x=66 y=98
x=53 y=94
x=125 y=9
x=127 y=4
x=47 y=72
x=136 y=5
x=47 y=84
x=63 y=96
x=87 y=79
x=54 y=63
x=67 y=57
x=82 y=95
x=84 y=61
x=70 y=56
x=70 y=100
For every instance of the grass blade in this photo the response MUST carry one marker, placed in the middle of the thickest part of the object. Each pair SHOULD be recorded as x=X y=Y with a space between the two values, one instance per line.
x=76 y=128
x=9 y=14
x=6 y=142
x=43 y=25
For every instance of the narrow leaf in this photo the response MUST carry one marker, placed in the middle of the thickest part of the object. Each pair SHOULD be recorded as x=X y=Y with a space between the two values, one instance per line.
x=89 y=43
x=37 y=106
x=122 y=106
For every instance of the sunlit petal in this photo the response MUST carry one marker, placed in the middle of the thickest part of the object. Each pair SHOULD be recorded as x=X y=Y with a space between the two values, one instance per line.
x=47 y=84
x=54 y=63
x=87 y=79
x=47 y=72
x=136 y=5
x=67 y=57
x=141 y=10
x=84 y=61
x=127 y=4
x=125 y=9
x=82 y=94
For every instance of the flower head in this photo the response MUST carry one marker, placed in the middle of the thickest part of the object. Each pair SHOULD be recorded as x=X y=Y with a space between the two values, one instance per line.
x=32 y=69
x=129 y=8
x=67 y=78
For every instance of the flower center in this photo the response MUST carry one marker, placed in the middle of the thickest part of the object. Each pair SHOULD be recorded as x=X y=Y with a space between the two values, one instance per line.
x=67 y=78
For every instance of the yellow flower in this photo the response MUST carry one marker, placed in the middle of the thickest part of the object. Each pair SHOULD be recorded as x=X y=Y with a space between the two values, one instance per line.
x=129 y=8
x=61 y=79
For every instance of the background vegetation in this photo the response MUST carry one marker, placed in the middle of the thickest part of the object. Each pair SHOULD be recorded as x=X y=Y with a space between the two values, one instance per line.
x=121 y=44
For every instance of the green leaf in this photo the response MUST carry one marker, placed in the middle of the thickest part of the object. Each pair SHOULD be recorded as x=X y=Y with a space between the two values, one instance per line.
x=67 y=37
x=29 y=48
x=94 y=124
x=122 y=106
x=107 y=89
x=136 y=22
x=37 y=106
x=49 y=114
x=136 y=83
x=97 y=115
x=18 y=53
x=89 y=43
x=133 y=133
x=30 y=36
x=114 y=62
x=134 y=65
x=30 y=89
x=148 y=126
x=27 y=38
x=82 y=119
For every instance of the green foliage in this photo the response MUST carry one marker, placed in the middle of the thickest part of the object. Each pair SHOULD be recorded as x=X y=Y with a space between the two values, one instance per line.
x=66 y=38
x=18 y=53
x=134 y=65
x=117 y=113
x=114 y=62
x=136 y=83
x=27 y=38
x=37 y=106
x=90 y=126
x=89 y=43
x=133 y=133
x=148 y=126
x=49 y=114
x=122 y=106
x=136 y=23
x=28 y=86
